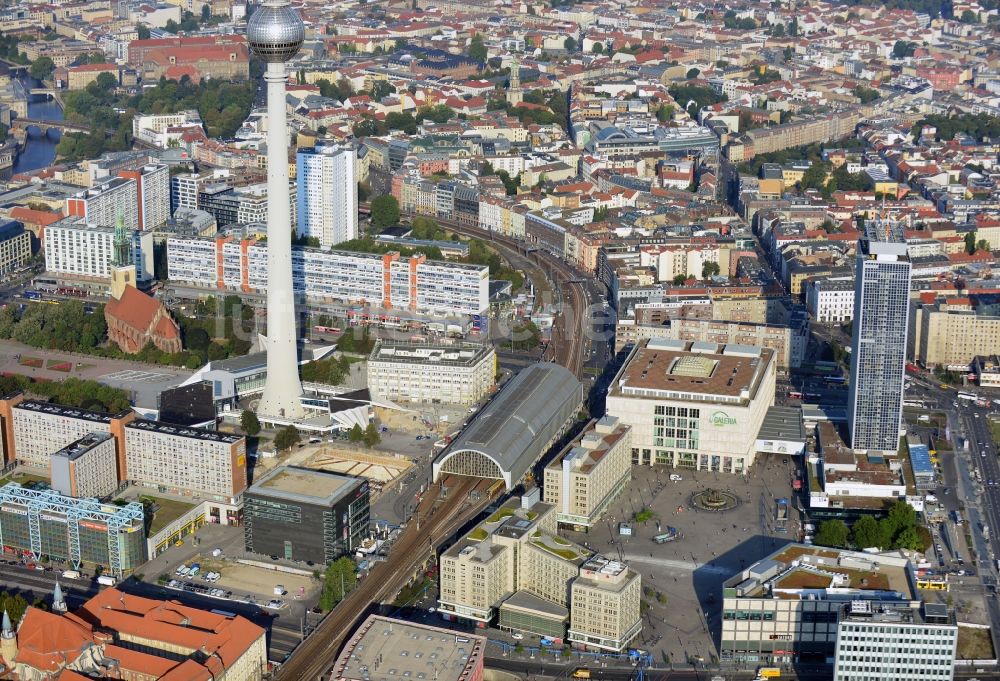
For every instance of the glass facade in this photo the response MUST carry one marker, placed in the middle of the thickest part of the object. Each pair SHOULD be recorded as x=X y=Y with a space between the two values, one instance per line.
x=116 y=543
x=881 y=315
x=532 y=623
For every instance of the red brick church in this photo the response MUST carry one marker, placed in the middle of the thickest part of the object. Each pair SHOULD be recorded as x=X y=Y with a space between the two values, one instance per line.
x=135 y=319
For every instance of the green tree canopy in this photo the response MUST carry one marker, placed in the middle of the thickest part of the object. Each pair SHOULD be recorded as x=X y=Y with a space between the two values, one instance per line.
x=866 y=95
x=700 y=95
x=865 y=533
x=903 y=49
x=832 y=533
x=356 y=433
x=287 y=438
x=249 y=422
x=477 y=49
x=42 y=68
x=815 y=177
x=381 y=89
x=385 y=211
x=339 y=579
x=371 y=436
x=709 y=269
x=693 y=73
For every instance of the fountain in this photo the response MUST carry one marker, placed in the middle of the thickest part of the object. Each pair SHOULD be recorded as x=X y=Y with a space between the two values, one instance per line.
x=712 y=499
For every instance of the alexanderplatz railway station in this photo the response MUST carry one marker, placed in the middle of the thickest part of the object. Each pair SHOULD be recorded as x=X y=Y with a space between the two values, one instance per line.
x=510 y=434
x=500 y=445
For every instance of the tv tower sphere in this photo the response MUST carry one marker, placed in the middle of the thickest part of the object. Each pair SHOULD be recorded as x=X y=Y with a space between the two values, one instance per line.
x=275 y=32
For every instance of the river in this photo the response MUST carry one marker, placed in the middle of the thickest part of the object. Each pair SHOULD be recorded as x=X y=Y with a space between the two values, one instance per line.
x=39 y=150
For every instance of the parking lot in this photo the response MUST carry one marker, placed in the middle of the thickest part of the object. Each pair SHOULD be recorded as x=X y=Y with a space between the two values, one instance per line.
x=244 y=583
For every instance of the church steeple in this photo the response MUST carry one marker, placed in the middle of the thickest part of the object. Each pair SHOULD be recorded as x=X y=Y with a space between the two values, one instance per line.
x=122 y=263
x=514 y=94
x=122 y=252
x=8 y=640
x=58 y=602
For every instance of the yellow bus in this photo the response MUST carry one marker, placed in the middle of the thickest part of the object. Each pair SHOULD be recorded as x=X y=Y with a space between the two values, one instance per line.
x=581 y=673
x=768 y=673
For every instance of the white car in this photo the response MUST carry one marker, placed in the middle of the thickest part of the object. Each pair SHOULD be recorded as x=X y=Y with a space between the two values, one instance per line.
x=517 y=636
x=675 y=478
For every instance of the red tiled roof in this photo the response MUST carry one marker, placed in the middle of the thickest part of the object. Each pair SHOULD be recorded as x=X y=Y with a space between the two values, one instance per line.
x=83 y=68
x=138 y=310
x=174 y=624
x=47 y=641
x=35 y=217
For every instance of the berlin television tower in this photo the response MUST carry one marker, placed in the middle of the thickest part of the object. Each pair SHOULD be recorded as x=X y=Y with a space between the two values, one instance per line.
x=275 y=33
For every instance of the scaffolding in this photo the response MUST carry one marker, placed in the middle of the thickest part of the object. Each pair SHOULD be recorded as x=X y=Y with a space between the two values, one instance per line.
x=51 y=503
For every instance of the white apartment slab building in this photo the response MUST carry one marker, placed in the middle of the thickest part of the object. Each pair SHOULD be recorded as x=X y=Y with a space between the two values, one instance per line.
x=694 y=404
x=388 y=280
x=186 y=461
x=153 y=194
x=33 y=430
x=589 y=473
x=103 y=204
x=895 y=642
x=15 y=246
x=76 y=249
x=830 y=301
x=445 y=374
x=86 y=468
x=327 y=194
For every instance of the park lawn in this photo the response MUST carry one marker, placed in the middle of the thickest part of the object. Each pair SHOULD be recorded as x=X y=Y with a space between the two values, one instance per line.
x=23 y=479
x=31 y=362
x=59 y=365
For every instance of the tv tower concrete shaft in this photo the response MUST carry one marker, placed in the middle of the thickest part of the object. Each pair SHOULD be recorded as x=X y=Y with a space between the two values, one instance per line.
x=283 y=388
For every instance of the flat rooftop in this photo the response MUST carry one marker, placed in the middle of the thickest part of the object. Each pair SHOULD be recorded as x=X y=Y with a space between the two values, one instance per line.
x=86 y=443
x=305 y=485
x=587 y=451
x=65 y=412
x=386 y=649
x=184 y=431
x=465 y=354
x=804 y=572
x=697 y=370
x=783 y=423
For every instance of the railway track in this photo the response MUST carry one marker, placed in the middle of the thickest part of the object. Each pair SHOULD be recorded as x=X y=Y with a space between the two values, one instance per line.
x=569 y=329
x=437 y=522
